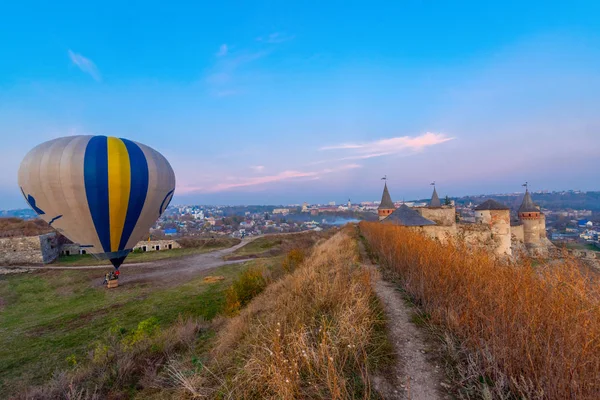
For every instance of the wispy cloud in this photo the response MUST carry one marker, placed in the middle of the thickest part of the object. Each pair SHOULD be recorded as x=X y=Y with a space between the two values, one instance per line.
x=224 y=77
x=226 y=93
x=85 y=64
x=384 y=147
x=276 y=37
x=258 y=168
x=241 y=182
x=223 y=50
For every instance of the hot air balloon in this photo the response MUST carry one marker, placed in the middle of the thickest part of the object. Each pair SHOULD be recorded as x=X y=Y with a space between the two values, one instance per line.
x=101 y=192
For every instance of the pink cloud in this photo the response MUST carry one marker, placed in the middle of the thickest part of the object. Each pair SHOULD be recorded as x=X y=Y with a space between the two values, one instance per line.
x=238 y=182
x=393 y=145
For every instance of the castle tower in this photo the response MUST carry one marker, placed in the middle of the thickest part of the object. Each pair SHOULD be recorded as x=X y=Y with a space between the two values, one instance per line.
x=386 y=207
x=435 y=199
x=497 y=217
x=532 y=219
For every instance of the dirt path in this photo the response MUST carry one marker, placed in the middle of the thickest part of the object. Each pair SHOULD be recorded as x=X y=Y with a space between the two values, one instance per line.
x=413 y=376
x=164 y=272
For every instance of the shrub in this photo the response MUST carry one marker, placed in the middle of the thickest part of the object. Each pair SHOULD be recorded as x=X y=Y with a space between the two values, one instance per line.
x=247 y=286
x=146 y=329
x=122 y=362
x=292 y=260
x=532 y=331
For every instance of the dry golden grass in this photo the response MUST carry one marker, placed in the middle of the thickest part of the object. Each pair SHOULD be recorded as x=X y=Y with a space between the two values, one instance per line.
x=213 y=279
x=312 y=334
x=10 y=227
x=534 y=331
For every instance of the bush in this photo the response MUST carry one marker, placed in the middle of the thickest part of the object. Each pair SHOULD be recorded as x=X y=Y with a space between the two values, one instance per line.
x=122 y=362
x=292 y=260
x=247 y=286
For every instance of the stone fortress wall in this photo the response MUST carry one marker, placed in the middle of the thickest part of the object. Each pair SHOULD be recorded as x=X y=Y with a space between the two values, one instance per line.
x=44 y=249
x=41 y=249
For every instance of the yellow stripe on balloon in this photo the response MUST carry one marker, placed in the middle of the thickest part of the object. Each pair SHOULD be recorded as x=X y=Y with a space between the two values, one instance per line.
x=119 y=186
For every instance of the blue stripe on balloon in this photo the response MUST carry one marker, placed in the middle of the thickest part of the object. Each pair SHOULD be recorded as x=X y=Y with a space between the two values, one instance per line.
x=95 y=172
x=164 y=206
x=138 y=189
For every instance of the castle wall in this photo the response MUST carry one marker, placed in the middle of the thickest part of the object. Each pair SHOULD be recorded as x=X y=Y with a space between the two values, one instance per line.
x=441 y=233
x=517 y=233
x=531 y=230
x=542 y=227
x=498 y=222
x=41 y=249
x=444 y=216
x=477 y=235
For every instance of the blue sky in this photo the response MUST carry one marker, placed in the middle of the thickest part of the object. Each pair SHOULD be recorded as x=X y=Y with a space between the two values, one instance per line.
x=274 y=102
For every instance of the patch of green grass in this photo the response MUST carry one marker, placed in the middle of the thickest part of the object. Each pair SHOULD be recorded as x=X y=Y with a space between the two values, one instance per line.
x=260 y=245
x=49 y=316
x=582 y=246
x=135 y=257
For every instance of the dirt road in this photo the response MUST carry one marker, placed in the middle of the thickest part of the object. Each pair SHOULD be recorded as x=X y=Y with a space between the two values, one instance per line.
x=169 y=271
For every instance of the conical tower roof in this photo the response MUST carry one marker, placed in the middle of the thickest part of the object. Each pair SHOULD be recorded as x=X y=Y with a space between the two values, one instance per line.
x=491 y=205
x=435 y=200
x=386 y=200
x=528 y=205
x=406 y=216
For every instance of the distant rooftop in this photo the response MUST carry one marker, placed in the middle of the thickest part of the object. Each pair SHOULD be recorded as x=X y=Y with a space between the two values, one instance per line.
x=406 y=216
x=491 y=205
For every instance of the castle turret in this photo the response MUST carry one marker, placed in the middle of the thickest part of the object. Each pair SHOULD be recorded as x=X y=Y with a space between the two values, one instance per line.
x=386 y=207
x=533 y=223
x=435 y=199
x=497 y=216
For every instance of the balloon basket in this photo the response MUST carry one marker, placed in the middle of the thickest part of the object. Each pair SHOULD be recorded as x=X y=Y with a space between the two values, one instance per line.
x=113 y=283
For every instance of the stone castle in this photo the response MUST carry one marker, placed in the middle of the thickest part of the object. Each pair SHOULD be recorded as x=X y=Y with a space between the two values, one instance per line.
x=492 y=228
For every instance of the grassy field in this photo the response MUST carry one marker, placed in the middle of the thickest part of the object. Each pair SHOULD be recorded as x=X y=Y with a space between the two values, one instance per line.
x=581 y=246
x=140 y=257
x=47 y=317
x=273 y=245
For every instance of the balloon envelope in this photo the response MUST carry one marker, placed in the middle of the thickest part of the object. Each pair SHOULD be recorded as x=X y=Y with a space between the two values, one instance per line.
x=104 y=193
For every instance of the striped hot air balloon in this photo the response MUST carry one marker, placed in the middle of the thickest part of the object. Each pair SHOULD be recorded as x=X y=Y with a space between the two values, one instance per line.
x=102 y=192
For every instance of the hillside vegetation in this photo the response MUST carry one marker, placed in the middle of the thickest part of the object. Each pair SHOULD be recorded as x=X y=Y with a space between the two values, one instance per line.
x=14 y=227
x=530 y=331
x=316 y=333
x=275 y=245
x=301 y=325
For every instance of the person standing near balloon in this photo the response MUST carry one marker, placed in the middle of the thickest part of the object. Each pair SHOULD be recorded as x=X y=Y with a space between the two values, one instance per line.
x=104 y=193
